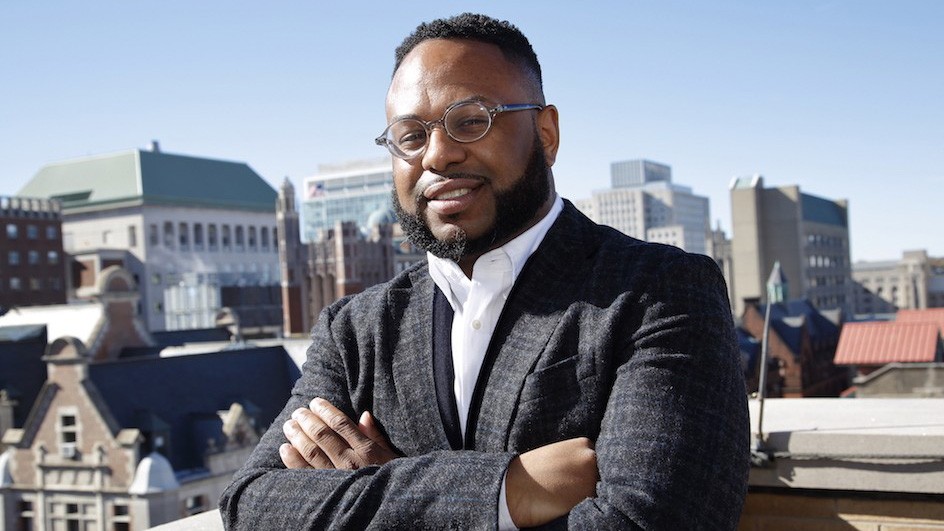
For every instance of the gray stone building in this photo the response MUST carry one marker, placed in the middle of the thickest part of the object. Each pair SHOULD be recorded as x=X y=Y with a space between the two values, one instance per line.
x=914 y=282
x=185 y=227
x=645 y=204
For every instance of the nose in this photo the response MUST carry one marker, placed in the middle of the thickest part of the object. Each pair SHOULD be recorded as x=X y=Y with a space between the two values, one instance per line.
x=441 y=151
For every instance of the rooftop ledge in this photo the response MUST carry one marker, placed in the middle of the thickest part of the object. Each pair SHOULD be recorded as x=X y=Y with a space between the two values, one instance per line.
x=874 y=445
x=856 y=444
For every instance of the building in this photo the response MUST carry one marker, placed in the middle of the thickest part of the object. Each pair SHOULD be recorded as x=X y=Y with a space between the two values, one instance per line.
x=117 y=437
x=915 y=282
x=808 y=235
x=185 y=227
x=645 y=204
x=345 y=192
x=801 y=346
x=32 y=261
x=342 y=259
x=127 y=445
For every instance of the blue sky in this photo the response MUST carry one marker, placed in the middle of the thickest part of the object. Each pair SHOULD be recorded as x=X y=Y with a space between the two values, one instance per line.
x=844 y=98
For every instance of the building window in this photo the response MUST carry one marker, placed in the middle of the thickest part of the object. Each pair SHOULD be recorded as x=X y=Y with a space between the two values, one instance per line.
x=198 y=235
x=68 y=435
x=252 y=238
x=13 y=231
x=25 y=508
x=16 y=284
x=153 y=235
x=32 y=232
x=195 y=504
x=55 y=283
x=121 y=520
x=239 y=238
x=72 y=516
x=225 y=237
x=36 y=284
x=52 y=233
x=184 y=236
x=264 y=237
x=106 y=237
x=13 y=258
x=132 y=236
x=211 y=236
x=168 y=234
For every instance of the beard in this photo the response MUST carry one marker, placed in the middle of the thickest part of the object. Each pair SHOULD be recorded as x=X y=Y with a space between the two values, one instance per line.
x=515 y=209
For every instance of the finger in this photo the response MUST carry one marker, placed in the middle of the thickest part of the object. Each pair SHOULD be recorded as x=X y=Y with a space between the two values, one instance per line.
x=339 y=423
x=307 y=449
x=291 y=458
x=368 y=426
x=334 y=445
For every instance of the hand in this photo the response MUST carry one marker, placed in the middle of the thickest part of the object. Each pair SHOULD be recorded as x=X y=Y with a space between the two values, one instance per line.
x=324 y=437
x=549 y=481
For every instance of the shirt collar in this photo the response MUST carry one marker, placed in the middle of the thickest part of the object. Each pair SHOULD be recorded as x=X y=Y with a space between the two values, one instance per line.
x=455 y=285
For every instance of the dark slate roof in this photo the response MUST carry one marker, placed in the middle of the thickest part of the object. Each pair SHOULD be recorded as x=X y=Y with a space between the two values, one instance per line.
x=750 y=350
x=152 y=177
x=175 y=338
x=22 y=369
x=186 y=392
x=817 y=325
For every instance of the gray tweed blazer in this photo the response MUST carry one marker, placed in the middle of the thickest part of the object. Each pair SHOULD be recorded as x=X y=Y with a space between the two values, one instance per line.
x=628 y=343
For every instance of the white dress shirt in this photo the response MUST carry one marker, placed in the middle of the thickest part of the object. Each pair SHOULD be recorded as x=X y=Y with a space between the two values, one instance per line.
x=477 y=303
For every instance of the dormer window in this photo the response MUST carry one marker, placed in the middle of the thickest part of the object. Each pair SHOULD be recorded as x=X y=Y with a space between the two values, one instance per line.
x=68 y=434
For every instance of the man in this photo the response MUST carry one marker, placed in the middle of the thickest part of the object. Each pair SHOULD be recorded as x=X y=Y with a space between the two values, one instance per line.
x=538 y=370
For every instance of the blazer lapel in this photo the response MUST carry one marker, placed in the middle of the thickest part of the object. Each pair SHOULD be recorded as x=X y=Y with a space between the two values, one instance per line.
x=547 y=285
x=410 y=318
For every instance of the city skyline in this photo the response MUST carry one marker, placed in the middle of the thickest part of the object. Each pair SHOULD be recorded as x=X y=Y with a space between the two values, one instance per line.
x=841 y=98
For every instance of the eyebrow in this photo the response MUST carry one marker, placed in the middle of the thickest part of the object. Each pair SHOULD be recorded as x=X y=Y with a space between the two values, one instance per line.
x=413 y=116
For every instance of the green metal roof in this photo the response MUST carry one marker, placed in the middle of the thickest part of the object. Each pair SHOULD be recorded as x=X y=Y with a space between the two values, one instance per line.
x=152 y=178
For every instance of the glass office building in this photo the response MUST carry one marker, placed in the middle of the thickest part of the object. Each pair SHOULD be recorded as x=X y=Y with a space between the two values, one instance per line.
x=350 y=192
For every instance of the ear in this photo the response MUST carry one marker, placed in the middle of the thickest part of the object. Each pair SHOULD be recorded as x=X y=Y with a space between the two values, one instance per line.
x=549 y=131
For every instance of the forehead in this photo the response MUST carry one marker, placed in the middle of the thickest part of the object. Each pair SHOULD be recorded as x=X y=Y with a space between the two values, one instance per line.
x=442 y=71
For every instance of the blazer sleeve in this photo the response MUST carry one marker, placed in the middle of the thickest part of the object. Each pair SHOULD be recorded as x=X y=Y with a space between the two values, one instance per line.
x=437 y=490
x=673 y=450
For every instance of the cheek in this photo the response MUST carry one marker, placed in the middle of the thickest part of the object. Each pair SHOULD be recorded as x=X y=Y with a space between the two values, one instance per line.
x=404 y=182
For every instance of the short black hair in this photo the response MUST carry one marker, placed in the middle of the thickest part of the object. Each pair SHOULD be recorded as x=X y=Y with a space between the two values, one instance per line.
x=509 y=39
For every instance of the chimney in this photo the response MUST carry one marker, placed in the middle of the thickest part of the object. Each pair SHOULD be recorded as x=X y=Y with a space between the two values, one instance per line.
x=155 y=146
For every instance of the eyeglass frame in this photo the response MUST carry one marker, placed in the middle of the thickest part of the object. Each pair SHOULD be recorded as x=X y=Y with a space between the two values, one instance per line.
x=428 y=125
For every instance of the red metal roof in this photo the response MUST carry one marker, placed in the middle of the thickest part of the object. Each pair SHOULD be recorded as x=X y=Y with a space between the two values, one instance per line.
x=930 y=315
x=878 y=343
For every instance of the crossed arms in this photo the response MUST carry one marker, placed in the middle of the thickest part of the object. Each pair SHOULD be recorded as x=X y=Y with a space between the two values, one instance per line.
x=671 y=437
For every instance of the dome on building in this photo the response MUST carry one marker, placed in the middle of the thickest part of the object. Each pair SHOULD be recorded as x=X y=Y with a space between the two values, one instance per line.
x=154 y=474
x=6 y=479
x=381 y=216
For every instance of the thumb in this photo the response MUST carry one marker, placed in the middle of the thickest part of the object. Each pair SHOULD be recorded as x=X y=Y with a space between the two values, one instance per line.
x=368 y=426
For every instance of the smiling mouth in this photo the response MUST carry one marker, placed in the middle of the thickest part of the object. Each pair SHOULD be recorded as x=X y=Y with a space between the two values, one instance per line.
x=452 y=194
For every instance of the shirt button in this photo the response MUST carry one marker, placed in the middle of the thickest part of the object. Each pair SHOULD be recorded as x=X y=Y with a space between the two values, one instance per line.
x=476 y=324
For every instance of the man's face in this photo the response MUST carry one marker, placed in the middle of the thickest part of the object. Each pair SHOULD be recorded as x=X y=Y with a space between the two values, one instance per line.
x=459 y=200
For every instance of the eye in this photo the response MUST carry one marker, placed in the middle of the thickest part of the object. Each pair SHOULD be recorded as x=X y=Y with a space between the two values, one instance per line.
x=468 y=121
x=408 y=134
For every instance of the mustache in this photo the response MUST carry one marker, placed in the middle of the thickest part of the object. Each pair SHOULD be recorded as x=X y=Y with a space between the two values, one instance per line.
x=429 y=179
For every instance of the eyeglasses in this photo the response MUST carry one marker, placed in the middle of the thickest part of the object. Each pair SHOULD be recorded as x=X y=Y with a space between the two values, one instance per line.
x=464 y=121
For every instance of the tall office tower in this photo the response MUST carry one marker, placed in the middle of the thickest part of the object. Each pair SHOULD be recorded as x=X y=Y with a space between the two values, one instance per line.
x=32 y=262
x=197 y=234
x=346 y=192
x=808 y=235
x=644 y=203
x=636 y=172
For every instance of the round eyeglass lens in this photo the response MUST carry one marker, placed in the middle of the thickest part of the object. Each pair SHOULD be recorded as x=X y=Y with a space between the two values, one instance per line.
x=408 y=136
x=467 y=122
